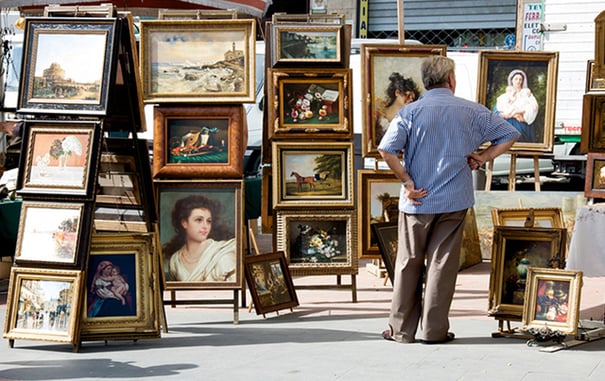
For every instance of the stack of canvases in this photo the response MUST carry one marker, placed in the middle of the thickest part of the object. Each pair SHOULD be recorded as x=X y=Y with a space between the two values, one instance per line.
x=309 y=127
x=197 y=73
x=54 y=284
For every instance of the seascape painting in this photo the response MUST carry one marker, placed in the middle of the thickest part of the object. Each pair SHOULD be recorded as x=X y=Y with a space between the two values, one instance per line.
x=198 y=62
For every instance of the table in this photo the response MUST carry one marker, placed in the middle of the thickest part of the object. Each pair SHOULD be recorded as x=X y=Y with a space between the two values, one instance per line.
x=587 y=246
x=10 y=210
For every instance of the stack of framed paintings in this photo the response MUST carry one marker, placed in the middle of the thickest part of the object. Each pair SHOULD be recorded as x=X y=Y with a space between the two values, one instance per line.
x=308 y=140
x=593 y=128
x=200 y=138
x=525 y=240
x=69 y=103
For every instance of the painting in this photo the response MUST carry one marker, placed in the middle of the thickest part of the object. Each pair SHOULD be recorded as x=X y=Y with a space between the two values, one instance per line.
x=175 y=69
x=269 y=282
x=386 y=234
x=529 y=217
x=53 y=233
x=392 y=78
x=43 y=304
x=119 y=300
x=54 y=80
x=594 y=186
x=201 y=236
x=310 y=103
x=307 y=45
x=515 y=250
x=552 y=300
x=593 y=123
x=58 y=159
x=318 y=241
x=197 y=142
x=521 y=87
x=312 y=173
x=378 y=202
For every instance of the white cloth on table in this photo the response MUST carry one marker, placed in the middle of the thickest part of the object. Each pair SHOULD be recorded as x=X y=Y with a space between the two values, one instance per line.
x=587 y=246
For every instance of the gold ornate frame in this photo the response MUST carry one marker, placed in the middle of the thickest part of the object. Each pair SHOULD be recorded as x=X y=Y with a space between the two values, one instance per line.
x=552 y=300
x=541 y=69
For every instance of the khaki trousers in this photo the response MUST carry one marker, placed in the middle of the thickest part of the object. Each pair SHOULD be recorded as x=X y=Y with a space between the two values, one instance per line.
x=432 y=241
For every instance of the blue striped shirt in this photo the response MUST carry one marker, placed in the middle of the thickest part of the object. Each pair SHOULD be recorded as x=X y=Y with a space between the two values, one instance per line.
x=436 y=134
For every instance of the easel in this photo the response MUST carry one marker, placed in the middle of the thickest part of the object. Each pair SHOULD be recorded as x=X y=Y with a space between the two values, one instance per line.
x=512 y=175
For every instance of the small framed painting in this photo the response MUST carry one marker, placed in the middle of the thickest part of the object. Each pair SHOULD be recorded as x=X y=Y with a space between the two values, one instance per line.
x=119 y=301
x=552 y=300
x=176 y=69
x=57 y=159
x=53 y=233
x=269 y=282
x=196 y=142
x=43 y=304
x=54 y=80
x=299 y=44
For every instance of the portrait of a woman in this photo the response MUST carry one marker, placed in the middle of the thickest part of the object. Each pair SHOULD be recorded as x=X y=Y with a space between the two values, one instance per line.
x=109 y=290
x=399 y=92
x=202 y=249
x=519 y=106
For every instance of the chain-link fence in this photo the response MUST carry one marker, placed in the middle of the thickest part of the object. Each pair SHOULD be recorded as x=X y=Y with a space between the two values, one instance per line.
x=468 y=39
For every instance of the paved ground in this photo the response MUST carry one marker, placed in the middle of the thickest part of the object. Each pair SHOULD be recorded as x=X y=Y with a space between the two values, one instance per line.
x=326 y=338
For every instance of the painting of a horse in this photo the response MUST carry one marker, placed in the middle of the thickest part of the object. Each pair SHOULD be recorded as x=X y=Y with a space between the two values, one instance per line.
x=300 y=180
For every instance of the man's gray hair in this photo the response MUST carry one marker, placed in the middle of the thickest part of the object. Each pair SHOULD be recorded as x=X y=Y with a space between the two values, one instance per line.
x=436 y=71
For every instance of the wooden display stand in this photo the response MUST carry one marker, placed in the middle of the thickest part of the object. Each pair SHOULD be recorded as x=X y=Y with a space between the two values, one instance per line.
x=512 y=175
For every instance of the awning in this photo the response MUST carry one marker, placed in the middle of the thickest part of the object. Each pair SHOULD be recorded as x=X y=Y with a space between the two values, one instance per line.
x=255 y=8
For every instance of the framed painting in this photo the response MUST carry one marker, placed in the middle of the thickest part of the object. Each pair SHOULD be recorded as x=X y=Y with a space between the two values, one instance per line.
x=318 y=242
x=305 y=45
x=521 y=87
x=514 y=250
x=269 y=282
x=312 y=174
x=119 y=300
x=377 y=201
x=386 y=234
x=43 y=304
x=593 y=123
x=54 y=80
x=175 y=69
x=552 y=300
x=310 y=103
x=53 y=234
x=267 y=201
x=529 y=217
x=209 y=256
x=58 y=159
x=198 y=142
x=594 y=185
x=593 y=83
x=391 y=76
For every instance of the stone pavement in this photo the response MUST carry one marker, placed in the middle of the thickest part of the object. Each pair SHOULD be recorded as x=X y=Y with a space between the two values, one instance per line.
x=327 y=337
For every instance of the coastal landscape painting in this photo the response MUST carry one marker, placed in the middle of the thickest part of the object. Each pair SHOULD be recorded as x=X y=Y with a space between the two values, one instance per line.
x=198 y=60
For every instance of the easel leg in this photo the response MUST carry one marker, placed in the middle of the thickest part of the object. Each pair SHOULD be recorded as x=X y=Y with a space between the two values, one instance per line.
x=235 y=306
x=354 y=287
x=537 y=173
x=512 y=175
x=488 y=175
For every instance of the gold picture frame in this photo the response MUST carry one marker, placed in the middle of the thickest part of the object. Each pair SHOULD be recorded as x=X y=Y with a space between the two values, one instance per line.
x=379 y=63
x=534 y=217
x=175 y=69
x=594 y=185
x=377 y=202
x=312 y=174
x=514 y=250
x=593 y=127
x=552 y=300
x=318 y=242
x=536 y=101
x=43 y=304
x=123 y=304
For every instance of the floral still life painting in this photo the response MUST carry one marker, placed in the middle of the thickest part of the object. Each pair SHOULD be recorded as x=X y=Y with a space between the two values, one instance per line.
x=323 y=242
x=311 y=104
x=59 y=154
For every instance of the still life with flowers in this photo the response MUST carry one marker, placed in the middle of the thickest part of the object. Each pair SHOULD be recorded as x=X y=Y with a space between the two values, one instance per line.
x=318 y=244
x=60 y=150
x=311 y=104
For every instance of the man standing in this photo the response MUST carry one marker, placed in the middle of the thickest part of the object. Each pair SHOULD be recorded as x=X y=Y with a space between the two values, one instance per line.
x=438 y=135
